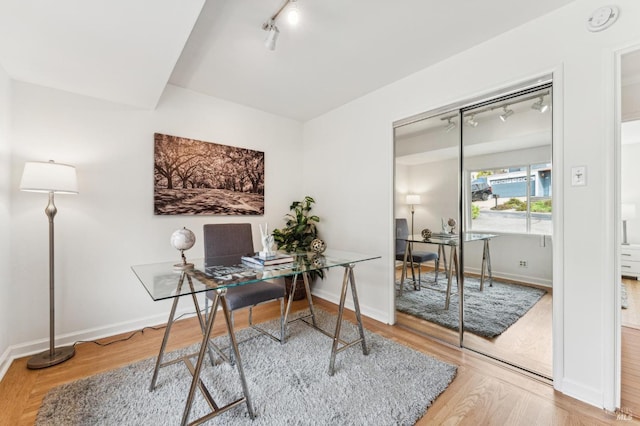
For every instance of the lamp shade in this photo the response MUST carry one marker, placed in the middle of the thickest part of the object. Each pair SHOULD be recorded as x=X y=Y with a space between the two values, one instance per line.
x=413 y=199
x=49 y=177
x=628 y=211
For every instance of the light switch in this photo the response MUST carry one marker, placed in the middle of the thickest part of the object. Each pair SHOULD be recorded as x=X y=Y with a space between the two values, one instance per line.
x=579 y=176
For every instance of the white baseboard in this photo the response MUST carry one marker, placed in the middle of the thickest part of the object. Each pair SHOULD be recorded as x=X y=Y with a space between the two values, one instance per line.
x=5 y=362
x=516 y=277
x=364 y=310
x=36 y=346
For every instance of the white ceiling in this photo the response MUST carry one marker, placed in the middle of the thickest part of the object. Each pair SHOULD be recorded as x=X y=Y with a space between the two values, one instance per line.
x=118 y=50
x=127 y=50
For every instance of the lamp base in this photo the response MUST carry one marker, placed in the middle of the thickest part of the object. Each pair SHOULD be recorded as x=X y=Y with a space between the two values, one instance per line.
x=45 y=359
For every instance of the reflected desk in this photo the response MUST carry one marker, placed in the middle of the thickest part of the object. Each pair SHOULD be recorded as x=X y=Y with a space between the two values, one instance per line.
x=442 y=241
x=164 y=281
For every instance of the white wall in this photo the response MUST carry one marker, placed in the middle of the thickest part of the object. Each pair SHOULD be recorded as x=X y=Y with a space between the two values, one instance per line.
x=349 y=158
x=110 y=225
x=437 y=183
x=5 y=218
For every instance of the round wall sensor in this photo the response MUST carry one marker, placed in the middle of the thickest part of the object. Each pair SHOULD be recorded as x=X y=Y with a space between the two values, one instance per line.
x=602 y=18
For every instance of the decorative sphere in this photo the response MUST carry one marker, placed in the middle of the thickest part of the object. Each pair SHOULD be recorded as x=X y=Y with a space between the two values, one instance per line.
x=452 y=222
x=318 y=245
x=318 y=260
x=426 y=233
x=183 y=239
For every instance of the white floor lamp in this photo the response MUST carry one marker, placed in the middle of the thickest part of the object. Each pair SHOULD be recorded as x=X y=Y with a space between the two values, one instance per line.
x=52 y=178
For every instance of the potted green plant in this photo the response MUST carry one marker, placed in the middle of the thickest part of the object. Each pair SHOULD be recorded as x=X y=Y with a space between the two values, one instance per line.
x=297 y=234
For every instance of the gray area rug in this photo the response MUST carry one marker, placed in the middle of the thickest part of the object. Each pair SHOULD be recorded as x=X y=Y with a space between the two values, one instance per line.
x=289 y=384
x=487 y=313
x=624 y=303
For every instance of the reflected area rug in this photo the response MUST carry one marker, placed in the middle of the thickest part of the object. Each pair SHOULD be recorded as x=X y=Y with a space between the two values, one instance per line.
x=487 y=313
x=288 y=383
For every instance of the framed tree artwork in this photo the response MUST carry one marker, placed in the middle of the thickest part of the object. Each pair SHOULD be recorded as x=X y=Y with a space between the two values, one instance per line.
x=193 y=177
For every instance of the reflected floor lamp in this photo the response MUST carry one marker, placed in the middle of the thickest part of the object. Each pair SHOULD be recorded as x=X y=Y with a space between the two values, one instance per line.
x=412 y=200
x=50 y=177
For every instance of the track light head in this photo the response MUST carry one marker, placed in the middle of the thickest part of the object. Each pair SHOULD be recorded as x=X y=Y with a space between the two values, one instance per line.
x=272 y=37
x=506 y=114
x=540 y=106
x=471 y=120
x=293 y=16
x=450 y=126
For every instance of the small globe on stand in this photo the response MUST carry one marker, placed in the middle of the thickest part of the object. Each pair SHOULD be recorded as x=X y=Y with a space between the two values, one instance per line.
x=183 y=239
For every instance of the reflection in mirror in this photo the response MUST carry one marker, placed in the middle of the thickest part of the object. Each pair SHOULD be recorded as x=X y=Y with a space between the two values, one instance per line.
x=482 y=221
x=629 y=103
x=426 y=197
x=507 y=194
x=630 y=192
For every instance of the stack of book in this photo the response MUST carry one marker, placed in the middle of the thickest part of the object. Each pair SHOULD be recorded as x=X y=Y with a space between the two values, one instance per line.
x=444 y=235
x=258 y=261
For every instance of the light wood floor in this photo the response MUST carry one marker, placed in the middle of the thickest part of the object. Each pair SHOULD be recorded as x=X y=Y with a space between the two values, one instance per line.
x=483 y=392
x=527 y=344
x=630 y=380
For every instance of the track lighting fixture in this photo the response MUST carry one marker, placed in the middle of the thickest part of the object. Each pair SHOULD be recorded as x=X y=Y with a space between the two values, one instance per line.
x=272 y=37
x=450 y=125
x=506 y=114
x=540 y=106
x=471 y=120
x=293 y=17
x=469 y=116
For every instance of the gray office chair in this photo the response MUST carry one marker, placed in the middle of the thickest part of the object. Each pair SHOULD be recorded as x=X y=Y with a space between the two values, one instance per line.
x=418 y=257
x=224 y=244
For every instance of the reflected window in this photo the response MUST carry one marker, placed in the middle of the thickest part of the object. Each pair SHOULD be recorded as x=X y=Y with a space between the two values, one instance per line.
x=508 y=172
x=515 y=199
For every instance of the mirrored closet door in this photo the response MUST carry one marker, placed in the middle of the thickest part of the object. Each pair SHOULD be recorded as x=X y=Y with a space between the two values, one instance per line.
x=507 y=207
x=474 y=186
x=629 y=104
x=427 y=169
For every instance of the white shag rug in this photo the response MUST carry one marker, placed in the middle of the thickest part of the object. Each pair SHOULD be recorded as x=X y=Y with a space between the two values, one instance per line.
x=288 y=384
x=487 y=313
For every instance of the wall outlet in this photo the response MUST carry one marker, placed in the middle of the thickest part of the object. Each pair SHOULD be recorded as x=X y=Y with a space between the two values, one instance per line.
x=524 y=264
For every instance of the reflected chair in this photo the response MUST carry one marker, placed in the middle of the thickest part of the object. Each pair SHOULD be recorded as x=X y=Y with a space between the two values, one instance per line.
x=225 y=244
x=415 y=257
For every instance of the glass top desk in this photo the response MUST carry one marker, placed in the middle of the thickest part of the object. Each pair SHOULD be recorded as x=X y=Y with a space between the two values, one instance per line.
x=169 y=281
x=452 y=241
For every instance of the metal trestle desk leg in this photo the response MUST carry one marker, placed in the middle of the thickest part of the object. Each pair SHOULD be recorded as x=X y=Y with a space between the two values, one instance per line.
x=408 y=255
x=453 y=263
x=486 y=265
x=348 y=277
x=167 y=331
x=307 y=287
x=195 y=370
